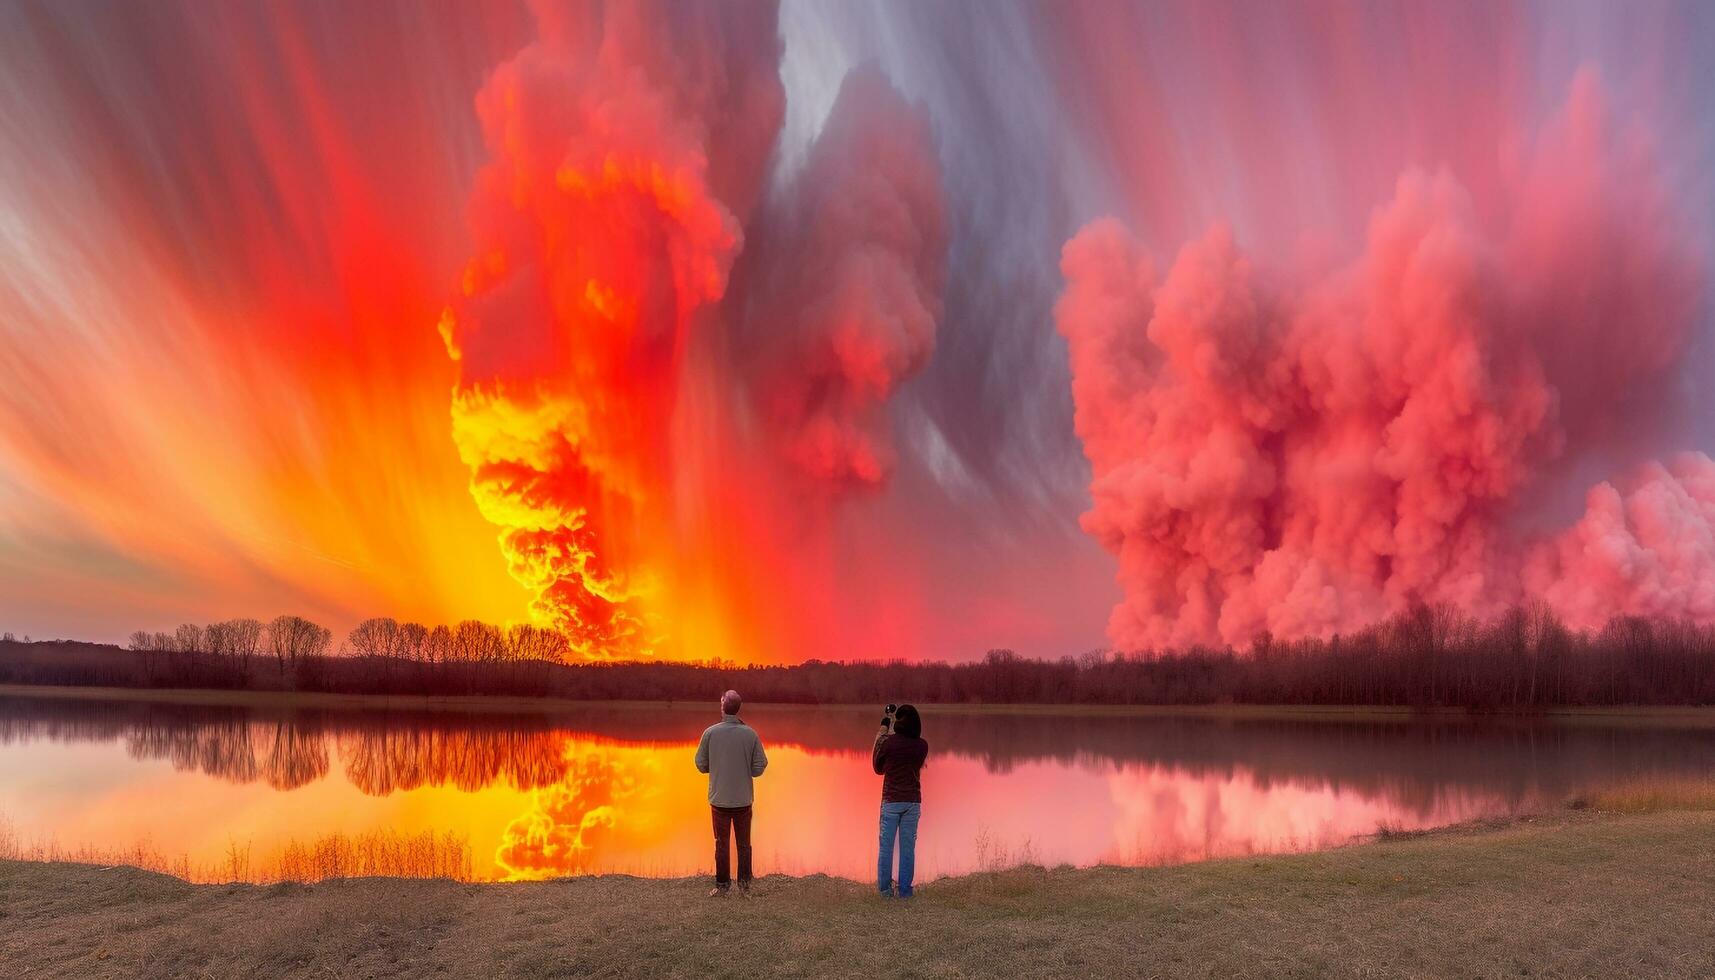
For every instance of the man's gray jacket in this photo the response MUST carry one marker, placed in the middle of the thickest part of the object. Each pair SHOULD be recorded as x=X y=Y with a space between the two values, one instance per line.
x=731 y=753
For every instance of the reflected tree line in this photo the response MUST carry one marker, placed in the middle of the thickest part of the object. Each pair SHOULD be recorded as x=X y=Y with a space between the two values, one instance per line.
x=1415 y=762
x=1435 y=655
x=379 y=755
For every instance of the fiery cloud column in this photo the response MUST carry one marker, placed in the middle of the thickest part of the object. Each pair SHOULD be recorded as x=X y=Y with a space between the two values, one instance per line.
x=605 y=224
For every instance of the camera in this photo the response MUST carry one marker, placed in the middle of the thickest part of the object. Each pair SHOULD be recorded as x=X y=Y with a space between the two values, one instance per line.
x=887 y=717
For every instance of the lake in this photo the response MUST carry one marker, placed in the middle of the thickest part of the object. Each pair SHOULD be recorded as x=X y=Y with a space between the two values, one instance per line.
x=219 y=792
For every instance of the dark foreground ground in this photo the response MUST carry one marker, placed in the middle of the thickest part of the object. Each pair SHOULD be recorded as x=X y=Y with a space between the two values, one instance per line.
x=1571 y=894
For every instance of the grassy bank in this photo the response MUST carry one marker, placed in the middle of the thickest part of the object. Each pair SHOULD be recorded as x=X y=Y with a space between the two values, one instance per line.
x=1586 y=893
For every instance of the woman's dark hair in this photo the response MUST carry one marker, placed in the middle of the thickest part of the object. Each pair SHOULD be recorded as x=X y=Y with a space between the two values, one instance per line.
x=907 y=723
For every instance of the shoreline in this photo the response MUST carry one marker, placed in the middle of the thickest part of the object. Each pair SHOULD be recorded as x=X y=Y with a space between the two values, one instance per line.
x=506 y=704
x=1567 y=892
x=1567 y=815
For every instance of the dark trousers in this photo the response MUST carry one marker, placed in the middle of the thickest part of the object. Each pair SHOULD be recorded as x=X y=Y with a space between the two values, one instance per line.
x=732 y=821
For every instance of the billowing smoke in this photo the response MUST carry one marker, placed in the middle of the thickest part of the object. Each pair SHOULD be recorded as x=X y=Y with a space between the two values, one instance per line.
x=1304 y=454
x=1645 y=547
x=605 y=224
x=628 y=148
x=853 y=291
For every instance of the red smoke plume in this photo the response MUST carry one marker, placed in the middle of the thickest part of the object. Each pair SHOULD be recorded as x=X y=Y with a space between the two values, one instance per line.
x=852 y=310
x=1646 y=548
x=1305 y=457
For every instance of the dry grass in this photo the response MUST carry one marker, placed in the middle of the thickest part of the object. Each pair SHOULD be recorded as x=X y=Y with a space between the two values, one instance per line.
x=1394 y=830
x=995 y=854
x=372 y=854
x=1578 y=894
x=1651 y=795
x=383 y=854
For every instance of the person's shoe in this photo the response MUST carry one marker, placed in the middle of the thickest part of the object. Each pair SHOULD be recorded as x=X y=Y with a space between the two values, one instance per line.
x=717 y=892
x=744 y=891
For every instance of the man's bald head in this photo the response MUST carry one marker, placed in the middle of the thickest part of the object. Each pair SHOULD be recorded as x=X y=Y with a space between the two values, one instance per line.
x=730 y=703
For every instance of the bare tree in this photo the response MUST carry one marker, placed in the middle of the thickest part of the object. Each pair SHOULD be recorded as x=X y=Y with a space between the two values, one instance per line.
x=280 y=638
x=373 y=637
x=189 y=639
x=141 y=640
x=477 y=642
x=529 y=642
x=413 y=639
x=294 y=638
x=438 y=648
x=246 y=641
x=217 y=639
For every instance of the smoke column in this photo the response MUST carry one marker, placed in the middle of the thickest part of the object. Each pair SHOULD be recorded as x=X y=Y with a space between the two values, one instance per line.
x=1306 y=453
x=604 y=225
x=627 y=149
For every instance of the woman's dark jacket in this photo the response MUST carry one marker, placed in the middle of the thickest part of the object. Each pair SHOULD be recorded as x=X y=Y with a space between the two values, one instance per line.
x=899 y=759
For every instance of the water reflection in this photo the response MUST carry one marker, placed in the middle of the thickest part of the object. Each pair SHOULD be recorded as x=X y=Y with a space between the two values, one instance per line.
x=601 y=805
x=612 y=789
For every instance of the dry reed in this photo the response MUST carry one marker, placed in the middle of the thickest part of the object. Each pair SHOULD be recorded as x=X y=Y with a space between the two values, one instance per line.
x=370 y=854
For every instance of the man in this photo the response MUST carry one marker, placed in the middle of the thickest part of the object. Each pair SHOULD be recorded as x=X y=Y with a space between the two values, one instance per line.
x=731 y=753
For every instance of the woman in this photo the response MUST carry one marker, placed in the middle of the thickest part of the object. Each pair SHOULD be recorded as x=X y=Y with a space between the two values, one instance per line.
x=899 y=756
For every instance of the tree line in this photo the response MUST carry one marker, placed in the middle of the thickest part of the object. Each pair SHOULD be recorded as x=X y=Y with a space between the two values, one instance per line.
x=378 y=655
x=1428 y=656
x=291 y=639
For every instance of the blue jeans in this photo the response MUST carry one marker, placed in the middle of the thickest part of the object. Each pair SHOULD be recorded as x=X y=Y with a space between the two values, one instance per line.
x=901 y=819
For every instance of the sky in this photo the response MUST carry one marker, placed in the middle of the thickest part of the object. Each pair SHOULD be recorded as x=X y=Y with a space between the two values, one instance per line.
x=853 y=330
